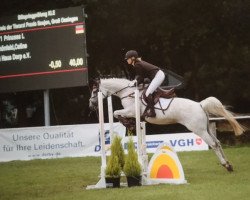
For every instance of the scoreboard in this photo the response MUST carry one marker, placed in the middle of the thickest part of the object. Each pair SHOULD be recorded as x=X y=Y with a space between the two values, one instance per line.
x=43 y=50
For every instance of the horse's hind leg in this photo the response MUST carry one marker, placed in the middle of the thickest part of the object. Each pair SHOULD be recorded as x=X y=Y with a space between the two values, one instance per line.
x=227 y=165
x=214 y=143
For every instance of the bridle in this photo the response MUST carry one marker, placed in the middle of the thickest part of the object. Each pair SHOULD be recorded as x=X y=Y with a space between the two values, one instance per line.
x=96 y=89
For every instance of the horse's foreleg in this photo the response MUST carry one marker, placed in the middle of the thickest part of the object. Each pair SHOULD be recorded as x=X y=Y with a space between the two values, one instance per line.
x=126 y=117
x=214 y=143
x=127 y=112
x=129 y=123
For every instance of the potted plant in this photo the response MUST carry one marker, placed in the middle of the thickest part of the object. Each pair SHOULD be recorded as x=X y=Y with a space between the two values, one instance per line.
x=115 y=163
x=117 y=149
x=113 y=172
x=132 y=167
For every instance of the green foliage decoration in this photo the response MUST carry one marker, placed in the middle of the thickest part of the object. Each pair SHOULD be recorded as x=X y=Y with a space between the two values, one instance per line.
x=117 y=149
x=132 y=166
x=116 y=160
x=113 y=168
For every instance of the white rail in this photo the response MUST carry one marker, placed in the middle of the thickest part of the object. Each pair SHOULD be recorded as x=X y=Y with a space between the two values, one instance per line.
x=223 y=118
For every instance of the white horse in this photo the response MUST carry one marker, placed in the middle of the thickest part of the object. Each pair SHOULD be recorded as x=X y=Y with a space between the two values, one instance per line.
x=191 y=114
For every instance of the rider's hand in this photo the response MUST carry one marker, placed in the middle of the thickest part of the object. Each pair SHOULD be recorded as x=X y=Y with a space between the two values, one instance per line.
x=132 y=83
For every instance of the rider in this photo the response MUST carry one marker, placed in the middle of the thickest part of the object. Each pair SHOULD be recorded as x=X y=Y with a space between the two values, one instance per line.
x=146 y=70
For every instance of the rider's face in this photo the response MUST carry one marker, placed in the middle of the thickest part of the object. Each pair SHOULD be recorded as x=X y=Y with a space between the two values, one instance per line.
x=130 y=61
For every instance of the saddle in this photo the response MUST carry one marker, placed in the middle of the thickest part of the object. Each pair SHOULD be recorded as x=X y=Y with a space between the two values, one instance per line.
x=161 y=93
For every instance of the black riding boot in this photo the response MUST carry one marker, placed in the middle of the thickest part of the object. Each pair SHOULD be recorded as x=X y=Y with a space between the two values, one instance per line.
x=149 y=111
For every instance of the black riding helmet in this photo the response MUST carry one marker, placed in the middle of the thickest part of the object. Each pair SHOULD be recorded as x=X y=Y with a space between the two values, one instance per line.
x=130 y=54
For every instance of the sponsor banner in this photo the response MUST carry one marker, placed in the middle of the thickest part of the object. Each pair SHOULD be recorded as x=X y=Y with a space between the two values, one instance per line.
x=179 y=141
x=80 y=141
x=53 y=141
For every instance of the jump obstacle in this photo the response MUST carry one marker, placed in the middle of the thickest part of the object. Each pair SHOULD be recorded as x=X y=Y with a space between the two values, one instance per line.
x=164 y=166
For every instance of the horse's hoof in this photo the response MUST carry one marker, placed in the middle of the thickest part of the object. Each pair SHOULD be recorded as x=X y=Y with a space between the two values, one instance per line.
x=229 y=167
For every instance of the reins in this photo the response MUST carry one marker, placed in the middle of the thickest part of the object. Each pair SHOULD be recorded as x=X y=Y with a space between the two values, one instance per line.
x=106 y=96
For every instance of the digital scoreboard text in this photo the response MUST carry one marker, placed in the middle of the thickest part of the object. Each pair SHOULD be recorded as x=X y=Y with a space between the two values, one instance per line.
x=43 y=50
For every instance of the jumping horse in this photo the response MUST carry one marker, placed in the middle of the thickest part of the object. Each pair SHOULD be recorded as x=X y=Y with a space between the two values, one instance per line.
x=193 y=115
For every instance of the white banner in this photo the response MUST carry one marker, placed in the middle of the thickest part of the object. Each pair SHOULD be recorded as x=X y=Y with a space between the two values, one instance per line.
x=79 y=141
x=179 y=141
x=53 y=141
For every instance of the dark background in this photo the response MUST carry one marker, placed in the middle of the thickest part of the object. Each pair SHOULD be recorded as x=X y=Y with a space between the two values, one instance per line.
x=205 y=41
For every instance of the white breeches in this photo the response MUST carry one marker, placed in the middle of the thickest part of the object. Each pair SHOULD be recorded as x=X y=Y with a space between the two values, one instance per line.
x=156 y=82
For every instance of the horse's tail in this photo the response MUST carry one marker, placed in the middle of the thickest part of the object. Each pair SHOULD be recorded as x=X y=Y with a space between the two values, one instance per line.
x=213 y=106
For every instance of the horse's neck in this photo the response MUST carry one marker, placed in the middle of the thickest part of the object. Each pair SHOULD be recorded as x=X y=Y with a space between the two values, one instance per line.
x=111 y=89
x=114 y=86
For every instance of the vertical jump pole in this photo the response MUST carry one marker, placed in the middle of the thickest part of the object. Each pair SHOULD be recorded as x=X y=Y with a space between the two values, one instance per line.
x=111 y=118
x=138 y=126
x=102 y=182
x=46 y=108
x=144 y=147
x=144 y=155
x=141 y=139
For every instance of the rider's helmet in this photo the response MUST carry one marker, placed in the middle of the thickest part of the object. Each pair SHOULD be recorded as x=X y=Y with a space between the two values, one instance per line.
x=130 y=54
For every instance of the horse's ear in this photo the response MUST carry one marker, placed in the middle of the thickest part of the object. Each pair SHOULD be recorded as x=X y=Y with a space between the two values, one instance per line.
x=91 y=83
x=97 y=82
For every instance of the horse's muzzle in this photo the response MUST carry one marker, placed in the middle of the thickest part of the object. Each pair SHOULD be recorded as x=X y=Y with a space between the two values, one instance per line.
x=92 y=105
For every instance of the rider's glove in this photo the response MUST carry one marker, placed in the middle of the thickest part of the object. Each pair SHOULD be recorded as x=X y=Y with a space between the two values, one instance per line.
x=132 y=83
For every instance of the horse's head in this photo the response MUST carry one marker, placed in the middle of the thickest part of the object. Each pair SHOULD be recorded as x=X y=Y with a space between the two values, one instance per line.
x=93 y=100
x=108 y=87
